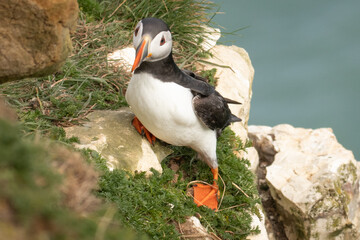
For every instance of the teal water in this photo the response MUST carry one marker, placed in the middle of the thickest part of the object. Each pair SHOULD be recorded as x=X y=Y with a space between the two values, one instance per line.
x=306 y=56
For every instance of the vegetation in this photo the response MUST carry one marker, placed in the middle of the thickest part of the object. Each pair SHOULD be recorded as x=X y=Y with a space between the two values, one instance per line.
x=32 y=197
x=153 y=206
x=158 y=204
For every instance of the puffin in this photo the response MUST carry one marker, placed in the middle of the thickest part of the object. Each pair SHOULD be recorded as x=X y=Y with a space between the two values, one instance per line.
x=174 y=105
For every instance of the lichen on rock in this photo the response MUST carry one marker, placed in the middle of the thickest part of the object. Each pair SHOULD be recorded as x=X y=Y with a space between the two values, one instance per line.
x=314 y=181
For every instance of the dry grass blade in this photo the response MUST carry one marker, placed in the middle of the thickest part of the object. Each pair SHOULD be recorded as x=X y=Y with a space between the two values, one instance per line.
x=116 y=9
x=215 y=236
x=187 y=236
x=240 y=189
x=223 y=194
x=39 y=101
x=239 y=205
x=167 y=10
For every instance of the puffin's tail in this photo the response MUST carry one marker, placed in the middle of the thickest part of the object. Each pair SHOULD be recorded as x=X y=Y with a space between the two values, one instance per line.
x=234 y=118
x=230 y=101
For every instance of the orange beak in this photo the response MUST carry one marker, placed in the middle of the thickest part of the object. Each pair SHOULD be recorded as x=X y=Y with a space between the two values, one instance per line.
x=141 y=53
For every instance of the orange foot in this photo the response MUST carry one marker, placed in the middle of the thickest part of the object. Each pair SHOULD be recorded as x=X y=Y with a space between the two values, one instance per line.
x=207 y=195
x=142 y=130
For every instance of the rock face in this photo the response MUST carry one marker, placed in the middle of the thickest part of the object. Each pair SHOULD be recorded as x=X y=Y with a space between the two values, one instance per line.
x=313 y=180
x=34 y=36
x=235 y=75
x=111 y=134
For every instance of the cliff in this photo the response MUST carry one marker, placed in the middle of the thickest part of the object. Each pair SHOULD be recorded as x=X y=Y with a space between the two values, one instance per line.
x=308 y=183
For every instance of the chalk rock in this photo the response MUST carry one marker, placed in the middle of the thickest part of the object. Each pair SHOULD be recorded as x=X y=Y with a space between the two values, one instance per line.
x=211 y=36
x=235 y=75
x=252 y=155
x=193 y=229
x=111 y=134
x=314 y=181
x=34 y=39
x=123 y=58
x=260 y=223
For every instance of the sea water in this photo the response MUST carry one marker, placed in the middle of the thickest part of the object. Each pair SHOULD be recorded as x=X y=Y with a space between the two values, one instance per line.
x=306 y=56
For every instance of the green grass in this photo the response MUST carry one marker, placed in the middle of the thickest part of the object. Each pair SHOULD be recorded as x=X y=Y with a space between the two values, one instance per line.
x=155 y=205
x=88 y=82
x=185 y=19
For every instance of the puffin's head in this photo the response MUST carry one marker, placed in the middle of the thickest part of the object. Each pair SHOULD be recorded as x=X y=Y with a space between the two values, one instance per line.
x=152 y=41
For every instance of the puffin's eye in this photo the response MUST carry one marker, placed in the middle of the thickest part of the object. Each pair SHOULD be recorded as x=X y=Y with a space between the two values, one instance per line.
x=162 y=41
x=136 y=31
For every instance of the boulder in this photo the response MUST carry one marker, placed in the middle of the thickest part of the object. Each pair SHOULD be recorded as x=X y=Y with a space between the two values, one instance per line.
x=34 y=36
x=313 y=180
x=111 y=134
x=235 y=75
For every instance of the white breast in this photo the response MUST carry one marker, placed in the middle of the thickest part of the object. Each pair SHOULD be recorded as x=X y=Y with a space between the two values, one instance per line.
x=166 y=110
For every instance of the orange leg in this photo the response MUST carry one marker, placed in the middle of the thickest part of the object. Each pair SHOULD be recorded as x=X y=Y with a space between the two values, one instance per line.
x=207 y=195
x=142 y=130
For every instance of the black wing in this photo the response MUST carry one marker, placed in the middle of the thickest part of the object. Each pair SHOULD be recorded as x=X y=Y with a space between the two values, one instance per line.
x=212 y=109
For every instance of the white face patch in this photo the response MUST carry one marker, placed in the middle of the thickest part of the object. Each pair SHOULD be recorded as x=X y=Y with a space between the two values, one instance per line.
x=137 y=34
x=160 y=46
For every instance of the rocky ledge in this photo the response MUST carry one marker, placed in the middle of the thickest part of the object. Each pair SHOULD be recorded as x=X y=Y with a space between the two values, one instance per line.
x=308 y=182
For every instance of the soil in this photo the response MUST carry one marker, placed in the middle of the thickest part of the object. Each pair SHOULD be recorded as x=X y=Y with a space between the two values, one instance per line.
x=273 y=223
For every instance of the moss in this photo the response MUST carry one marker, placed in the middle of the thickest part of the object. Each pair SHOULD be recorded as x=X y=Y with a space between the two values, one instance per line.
x=91 y=8
x=210 y=76
x=335 y=199
x=347 y=170
x=341 y=230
